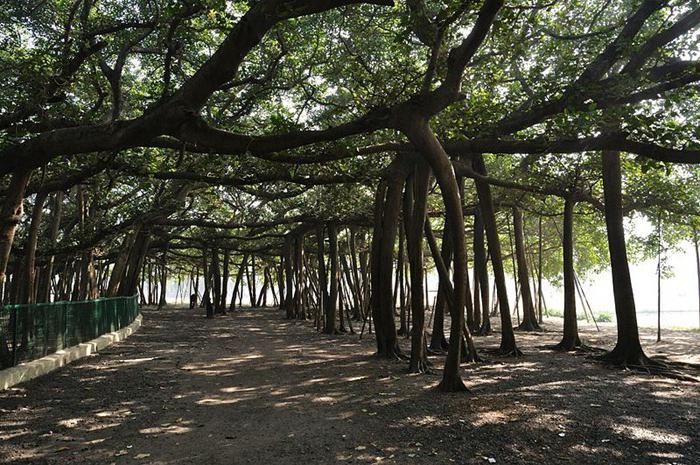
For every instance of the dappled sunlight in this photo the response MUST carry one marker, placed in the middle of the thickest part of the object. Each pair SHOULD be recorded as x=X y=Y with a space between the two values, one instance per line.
x=166 y=429
x=271 y=384
x=645 y=433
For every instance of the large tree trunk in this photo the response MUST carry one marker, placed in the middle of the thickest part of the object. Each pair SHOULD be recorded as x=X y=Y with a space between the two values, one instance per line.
x=508 y=346
x=628 y=350
x=529 y=322
x=420 y=134
x=137 y=256
x=414 y=214
x=570 y=340
x=119 y=269
x=387 y=209
x=10 y=216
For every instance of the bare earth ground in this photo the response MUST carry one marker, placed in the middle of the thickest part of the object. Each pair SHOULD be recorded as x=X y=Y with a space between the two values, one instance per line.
x=253 y=388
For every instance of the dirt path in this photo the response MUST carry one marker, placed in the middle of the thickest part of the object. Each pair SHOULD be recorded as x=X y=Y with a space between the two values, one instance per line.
x=252 y=388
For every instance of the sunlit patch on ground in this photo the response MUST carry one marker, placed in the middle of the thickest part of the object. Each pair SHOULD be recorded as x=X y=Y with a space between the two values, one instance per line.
x=252 y=387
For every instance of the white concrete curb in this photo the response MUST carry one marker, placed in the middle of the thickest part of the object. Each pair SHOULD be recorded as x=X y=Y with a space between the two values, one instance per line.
x=30 y=370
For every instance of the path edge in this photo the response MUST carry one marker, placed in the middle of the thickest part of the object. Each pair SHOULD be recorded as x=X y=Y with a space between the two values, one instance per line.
x=41 y=366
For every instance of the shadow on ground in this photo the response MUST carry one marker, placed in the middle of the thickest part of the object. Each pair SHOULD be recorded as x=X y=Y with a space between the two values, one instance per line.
x=253 y=388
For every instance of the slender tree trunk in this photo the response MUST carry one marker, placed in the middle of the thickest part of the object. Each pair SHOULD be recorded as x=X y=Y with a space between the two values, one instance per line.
x=28 y=285
x=529 y=322
x=469 y=304
x=481 y=271
x=628 y=350
x=508 y=345
x=224 y=281
x=697 y=267
x=414 y=212
x=570 y=339
x=44 y=294
x=333 y=295
x=288 y=271
x=438 y=343
x=216 y=280
x=403 y=329
x=299 y=311
x=658 y=284
x=539 y=269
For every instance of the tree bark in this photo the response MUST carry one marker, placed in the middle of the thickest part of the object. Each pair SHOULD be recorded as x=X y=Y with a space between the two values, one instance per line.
x=628 y=350
x=387 y=209
x=28 y=284
x=333 y=294
x=529 y=321
x=508 y=345
x=418 y=131
x=414 y=214
x=10 y=216
x=570 y=339
x=44 y=294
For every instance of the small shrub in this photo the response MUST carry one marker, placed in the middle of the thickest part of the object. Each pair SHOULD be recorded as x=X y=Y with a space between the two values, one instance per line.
x=604 y=317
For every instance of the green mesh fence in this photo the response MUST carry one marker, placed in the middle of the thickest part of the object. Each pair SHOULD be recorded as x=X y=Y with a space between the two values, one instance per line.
x=28 y=332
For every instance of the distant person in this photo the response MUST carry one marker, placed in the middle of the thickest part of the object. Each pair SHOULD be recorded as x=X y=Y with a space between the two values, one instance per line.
x=193 y=300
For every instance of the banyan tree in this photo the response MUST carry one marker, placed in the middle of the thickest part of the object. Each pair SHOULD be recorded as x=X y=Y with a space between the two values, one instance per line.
x=329 y=156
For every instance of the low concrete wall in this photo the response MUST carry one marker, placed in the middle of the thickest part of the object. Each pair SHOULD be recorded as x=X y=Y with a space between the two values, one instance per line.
x=30 y=370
